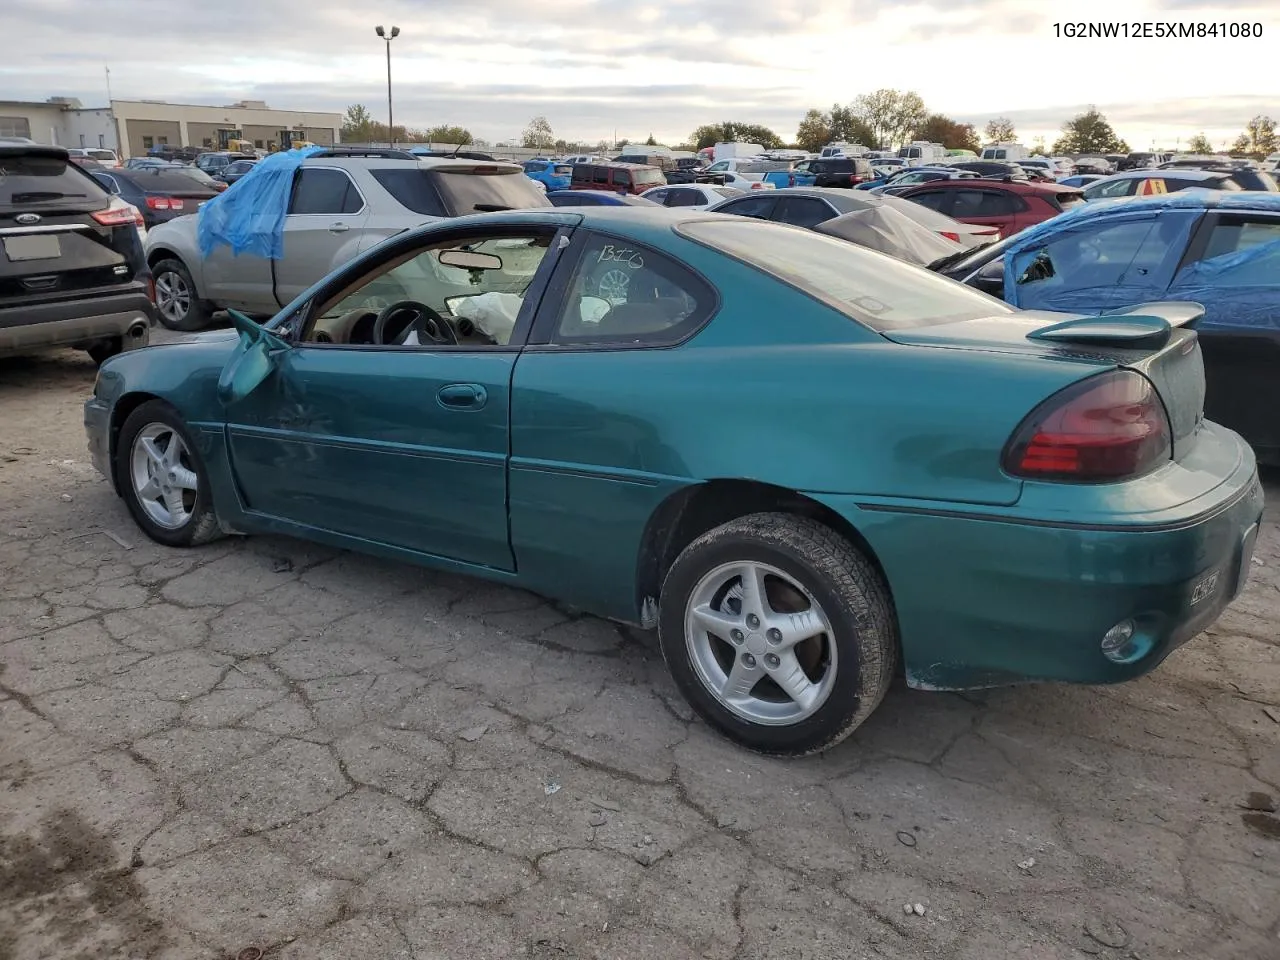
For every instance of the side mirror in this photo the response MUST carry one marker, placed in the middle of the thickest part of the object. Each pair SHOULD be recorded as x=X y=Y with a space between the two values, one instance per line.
x=253 y=360
x=469 y=260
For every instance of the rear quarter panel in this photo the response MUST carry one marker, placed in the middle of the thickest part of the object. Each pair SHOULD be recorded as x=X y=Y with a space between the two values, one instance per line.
x=778 y=389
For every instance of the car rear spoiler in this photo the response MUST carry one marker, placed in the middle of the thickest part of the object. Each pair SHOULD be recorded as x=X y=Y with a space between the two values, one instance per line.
x=1143 y=325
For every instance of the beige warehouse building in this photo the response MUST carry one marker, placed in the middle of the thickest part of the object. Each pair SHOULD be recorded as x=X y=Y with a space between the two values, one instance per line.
x=142 y=124
x=132 y=127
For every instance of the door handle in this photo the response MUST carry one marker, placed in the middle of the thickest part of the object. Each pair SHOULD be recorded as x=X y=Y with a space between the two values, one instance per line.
x=462 y=396
x=338 y=227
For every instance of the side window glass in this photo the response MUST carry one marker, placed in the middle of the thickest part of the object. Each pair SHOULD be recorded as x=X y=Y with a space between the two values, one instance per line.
x=323 y=191
x=758 y=207
x=938 y=200
x=628 y=295
x=460 y=292
x=803 y=211
x=659 y=196
x=684 y=198
x=622 y=178
x=600 y=175
x=1239 y=253
x=1089 y=257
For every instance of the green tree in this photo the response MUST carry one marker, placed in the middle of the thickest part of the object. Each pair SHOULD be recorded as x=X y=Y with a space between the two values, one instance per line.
x=708 y=135
x=1259 y=138
x=1199 y=144
x=357 y=125
x=814 y=131
x=1089 y=132
x=538 y=134
x=847 y=127
x=939 y=128
x=449 y=134
x=1000 y=130
x=890 y=115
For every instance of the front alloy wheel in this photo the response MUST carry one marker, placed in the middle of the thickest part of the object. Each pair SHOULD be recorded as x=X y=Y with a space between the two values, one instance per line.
x=162 y=477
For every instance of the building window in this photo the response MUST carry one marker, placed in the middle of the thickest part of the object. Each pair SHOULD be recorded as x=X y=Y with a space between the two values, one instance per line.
x=148 y=143
x=15 y=127
x=82 y=140
x=163 y=140
x=258 y=144
x=102 y=140
x=207 y=141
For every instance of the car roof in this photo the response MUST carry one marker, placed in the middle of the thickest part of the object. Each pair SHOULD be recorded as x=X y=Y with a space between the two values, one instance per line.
x=1017 y=186
x=1186 y=173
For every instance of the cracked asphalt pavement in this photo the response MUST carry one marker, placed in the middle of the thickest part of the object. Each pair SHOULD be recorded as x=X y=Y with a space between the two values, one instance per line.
x=264 y=745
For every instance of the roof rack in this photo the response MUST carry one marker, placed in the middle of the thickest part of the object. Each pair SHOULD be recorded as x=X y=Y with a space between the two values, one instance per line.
x=380 y=153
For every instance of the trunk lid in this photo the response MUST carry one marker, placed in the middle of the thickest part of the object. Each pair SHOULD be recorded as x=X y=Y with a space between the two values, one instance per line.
x=1151 y=339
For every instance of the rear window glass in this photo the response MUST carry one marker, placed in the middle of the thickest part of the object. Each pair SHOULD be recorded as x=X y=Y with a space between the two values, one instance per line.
x=27 y=180
x=171 y=180
x=877 y=290
x=478 y=189
x=564 y=170
x=412 y=189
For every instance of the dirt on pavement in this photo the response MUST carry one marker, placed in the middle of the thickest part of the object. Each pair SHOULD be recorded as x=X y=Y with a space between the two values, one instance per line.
x=266 y=745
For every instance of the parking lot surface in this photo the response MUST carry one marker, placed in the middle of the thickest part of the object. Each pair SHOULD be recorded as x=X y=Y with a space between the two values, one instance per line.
x=267 y=745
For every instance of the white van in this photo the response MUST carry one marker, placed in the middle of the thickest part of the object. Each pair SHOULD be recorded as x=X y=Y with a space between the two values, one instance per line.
x=843 y=149
x=1005 y=151
x=922 y=153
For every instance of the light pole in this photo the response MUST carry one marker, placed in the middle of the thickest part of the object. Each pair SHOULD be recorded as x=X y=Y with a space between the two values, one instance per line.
x=391 y=126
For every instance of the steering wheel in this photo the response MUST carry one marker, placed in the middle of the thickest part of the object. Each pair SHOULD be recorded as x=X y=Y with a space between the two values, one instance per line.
x=397 y=321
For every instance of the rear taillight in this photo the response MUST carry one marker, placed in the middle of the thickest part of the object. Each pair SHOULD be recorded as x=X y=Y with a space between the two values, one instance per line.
x=1109 y=427
x=164 y=203
x=950 y=236
x=118 y=216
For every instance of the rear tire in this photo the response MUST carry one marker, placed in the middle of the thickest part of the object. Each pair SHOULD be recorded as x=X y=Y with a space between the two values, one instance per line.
x=798 y=673
x=162 y=478
x=178 y=305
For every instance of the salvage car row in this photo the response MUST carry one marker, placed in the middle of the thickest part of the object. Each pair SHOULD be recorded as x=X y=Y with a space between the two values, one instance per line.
x=598 y=404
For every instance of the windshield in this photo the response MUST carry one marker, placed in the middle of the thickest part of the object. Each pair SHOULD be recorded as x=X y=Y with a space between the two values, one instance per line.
x=49 y=181
x=649 y=176
x=877 y=290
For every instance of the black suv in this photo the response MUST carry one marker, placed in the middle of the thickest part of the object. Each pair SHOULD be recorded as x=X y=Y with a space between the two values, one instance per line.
x=72 y=271
x=841 y=171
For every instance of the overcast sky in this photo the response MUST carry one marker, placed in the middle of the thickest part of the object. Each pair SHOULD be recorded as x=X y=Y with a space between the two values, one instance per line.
x=642 y=66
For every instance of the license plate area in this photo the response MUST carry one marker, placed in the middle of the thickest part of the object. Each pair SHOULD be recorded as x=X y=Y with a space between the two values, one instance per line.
x=35 y=247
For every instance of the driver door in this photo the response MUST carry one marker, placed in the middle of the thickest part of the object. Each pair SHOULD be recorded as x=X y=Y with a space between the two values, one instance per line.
x=398 y=443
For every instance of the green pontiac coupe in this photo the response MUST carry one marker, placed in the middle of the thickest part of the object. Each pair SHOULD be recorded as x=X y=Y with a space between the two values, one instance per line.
x=801 y=461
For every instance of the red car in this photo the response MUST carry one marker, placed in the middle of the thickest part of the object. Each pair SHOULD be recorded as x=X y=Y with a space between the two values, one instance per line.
x=1007 y=205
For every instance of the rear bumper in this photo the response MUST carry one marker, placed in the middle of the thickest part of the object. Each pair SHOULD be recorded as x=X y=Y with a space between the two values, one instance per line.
x=990 y=601
x=79 y=321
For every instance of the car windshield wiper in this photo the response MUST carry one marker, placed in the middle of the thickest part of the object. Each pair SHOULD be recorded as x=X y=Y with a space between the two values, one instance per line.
x=951 y=259
x=491 y=207
x=36 y=196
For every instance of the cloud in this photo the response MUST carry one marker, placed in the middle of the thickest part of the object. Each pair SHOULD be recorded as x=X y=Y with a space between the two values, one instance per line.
x=641 y=66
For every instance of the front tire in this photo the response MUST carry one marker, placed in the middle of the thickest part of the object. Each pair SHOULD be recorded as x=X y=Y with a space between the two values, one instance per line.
x=779 y=632
x=162 y=478
x=178 y=305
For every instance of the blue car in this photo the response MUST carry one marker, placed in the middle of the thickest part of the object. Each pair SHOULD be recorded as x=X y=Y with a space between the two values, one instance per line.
x=596 y=198
x=1214 y=248
x=1081 y=180
x=552 y=175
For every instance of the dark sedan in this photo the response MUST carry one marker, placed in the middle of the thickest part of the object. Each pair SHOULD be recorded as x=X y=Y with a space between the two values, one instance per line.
x=161 y=193
x=234 y=171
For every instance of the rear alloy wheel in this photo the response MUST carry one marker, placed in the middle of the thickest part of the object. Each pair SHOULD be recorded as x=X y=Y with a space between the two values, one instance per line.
x=779 y=632
x=162 y=478
x=177 y=304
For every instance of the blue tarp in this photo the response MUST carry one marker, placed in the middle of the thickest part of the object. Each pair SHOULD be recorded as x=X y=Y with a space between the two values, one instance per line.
x=1238 y=289
x=249 y=215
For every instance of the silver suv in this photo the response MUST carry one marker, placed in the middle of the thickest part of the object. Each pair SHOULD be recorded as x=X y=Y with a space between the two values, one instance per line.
x=343 y=202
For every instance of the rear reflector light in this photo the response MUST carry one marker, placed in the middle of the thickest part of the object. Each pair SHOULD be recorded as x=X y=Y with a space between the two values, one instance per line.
x=1109 y=427
x=164 y=203
x=118 y=216
x=950 y=236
